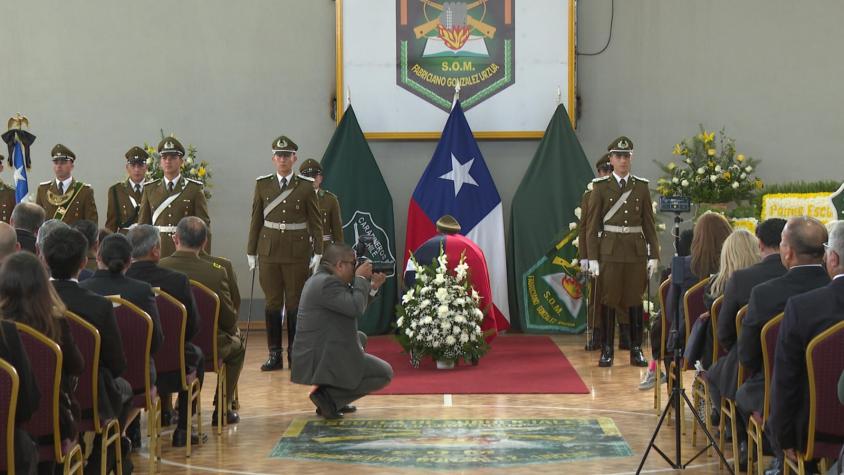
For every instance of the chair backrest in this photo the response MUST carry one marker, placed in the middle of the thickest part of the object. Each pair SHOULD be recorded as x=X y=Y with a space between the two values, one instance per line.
x=208 y=306
x=824 y=364
x=739 y=319
x=135 y=328
x=8 y=405
x=45 y=355
x=87 y=339
x=769 y=335
x=717 y=351
x=171 y=354
x=693 y=306
x=663 y=296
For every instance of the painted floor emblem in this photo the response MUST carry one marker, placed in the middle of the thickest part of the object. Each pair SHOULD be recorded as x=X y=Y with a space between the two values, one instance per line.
x=452 y=444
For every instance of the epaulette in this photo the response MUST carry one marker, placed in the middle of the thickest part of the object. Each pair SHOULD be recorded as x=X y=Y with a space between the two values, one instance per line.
x=600 y=179
x=264 y=177
x=305 y=178
x=640 y=179
x=329 y=193
x=45 y=182
x=195 y=181
x=215 y=265
x=86 y=185
x=152 y=181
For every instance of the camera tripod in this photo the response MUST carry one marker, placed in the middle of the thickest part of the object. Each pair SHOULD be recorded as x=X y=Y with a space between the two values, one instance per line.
x=676 y=399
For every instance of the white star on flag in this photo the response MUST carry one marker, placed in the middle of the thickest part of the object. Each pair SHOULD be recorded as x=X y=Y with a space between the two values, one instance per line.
x=459 y=174
x=19 y=175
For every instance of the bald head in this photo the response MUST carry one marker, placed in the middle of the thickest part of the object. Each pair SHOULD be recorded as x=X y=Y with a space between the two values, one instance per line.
x=8 y=241
x=802 y=242
x=191 y=234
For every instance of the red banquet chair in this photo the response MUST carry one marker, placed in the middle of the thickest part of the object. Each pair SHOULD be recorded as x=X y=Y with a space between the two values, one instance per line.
x=9 y=383
x=208 y=306
x=756 y=423
x=700 y=385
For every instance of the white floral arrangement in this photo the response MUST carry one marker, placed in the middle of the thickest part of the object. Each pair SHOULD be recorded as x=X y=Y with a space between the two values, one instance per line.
x=440 y=316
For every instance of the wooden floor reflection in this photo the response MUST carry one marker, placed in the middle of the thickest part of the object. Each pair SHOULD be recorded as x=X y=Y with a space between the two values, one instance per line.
x=269 y=402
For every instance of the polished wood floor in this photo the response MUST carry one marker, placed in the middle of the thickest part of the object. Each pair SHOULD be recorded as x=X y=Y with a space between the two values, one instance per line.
x=269 y=402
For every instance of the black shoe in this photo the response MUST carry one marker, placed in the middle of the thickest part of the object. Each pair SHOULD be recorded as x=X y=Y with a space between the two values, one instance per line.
x=232 y=417
x=343 y=410
x=637 y=358
x=324 y=405
x=180 y=438
x=775 y=468
x=274 y=362
x=606 y=357
x=133 y=434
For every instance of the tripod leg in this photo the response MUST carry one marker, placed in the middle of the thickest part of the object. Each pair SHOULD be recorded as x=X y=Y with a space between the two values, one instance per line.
x=709 y=436
x=651 y=444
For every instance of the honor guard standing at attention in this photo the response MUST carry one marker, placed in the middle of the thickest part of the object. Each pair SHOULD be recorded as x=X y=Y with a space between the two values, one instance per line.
x=7 y=197
x=167 y=200
x=284 y=236
x=622 y=247
x=124 y=198
x=593 y=322
x=329 y=206
x=64 y=198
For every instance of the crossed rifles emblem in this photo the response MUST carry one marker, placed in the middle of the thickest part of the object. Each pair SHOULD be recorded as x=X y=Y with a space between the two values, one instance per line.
x=454 y=23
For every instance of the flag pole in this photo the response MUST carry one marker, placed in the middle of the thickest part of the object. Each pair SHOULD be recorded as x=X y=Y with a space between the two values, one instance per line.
x=456 y=95
x=559 y=95
x=348 y=97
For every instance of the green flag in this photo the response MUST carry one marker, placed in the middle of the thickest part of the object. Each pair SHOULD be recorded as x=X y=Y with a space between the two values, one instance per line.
x=544 y=286
x=367 y=210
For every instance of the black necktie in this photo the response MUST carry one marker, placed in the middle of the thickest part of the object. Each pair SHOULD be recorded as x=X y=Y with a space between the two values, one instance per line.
x=61 y=188
x=622 y=182
x=170 y=186
x=137 y=188
x=283 y=183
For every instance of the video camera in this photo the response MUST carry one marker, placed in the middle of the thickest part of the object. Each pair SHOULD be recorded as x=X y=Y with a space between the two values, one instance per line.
x=675 y=204
x=361 y=249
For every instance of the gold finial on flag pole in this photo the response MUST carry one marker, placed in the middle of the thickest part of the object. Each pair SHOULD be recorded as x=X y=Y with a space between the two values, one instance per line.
x=456 y=94
x=348 y=96
x=559 y=95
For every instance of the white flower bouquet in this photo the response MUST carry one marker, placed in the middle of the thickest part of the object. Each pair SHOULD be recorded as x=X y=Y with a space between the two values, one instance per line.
x=439 y=316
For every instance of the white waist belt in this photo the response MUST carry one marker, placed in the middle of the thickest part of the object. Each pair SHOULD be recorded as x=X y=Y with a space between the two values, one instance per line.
x=166 y=229
x=286 y=226
x=327 y=237
x=622 y=229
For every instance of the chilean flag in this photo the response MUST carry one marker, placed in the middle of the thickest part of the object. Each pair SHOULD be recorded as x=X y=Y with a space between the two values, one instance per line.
x=457 y=182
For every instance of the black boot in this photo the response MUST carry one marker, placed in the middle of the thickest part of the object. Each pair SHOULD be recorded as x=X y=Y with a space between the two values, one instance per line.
x=624 y=336
x=291 y=333
x=273 y=320
x=637 y=331
x=595 y=340
x=608 y=316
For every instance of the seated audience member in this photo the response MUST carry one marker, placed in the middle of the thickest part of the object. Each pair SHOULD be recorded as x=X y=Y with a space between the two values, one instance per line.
x=327 y=351
x=91 y=233
x=740 y=250
x=146 y=253
x=27 y=297
x=723 y=375
x=8 y=241
x=226 y=264
x=190 y=237
x=64 y=252
x=802 y=252
x=26 y=219
x=806 y=316
x=11 y=350
x=49 y=226
x=710 y=232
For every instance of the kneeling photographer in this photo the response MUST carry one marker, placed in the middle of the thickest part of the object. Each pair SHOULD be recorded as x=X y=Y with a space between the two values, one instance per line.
x=327 y=351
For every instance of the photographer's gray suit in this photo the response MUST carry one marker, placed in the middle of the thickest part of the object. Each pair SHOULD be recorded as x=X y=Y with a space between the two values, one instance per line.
x=328 y=351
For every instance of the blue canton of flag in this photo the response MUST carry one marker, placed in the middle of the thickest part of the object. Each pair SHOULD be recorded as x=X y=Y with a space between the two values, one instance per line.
x=21 y=183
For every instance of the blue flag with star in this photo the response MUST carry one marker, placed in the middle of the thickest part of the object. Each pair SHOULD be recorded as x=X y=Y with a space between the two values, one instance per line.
x=21 y=181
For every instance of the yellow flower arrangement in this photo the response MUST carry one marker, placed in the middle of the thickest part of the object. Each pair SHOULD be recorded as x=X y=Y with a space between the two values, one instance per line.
x=709 y=170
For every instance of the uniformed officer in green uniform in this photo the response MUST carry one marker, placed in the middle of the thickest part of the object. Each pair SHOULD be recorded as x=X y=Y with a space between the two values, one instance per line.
x=622 y=247
x=124 y=198
x=284 y=235
x=603 y=168
x=329 y=206
x=64 y=198
x=167 y=200
x=7 y=197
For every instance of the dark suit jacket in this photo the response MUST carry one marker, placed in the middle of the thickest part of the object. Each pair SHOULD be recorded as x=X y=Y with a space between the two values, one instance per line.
x=174 y=283
x=806 y=316
x=135 y=291
x=26 y=239
x=327 y=350
x=724 y=372
x=98 y=311
x=767 y=300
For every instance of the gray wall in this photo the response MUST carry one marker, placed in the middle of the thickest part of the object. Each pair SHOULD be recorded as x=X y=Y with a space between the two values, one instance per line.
x=100 y=76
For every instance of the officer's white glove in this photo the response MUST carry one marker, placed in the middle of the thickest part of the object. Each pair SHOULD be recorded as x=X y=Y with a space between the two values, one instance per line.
x=584 y=265
x=253 y=262
x=315 y=262
x=652 y=265
x=593 y=268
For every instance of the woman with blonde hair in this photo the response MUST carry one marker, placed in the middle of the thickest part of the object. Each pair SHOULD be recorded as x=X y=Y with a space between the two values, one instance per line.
x=741 y=249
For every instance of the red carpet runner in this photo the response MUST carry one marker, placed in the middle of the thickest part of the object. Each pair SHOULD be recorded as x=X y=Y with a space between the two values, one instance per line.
x=516 y=364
